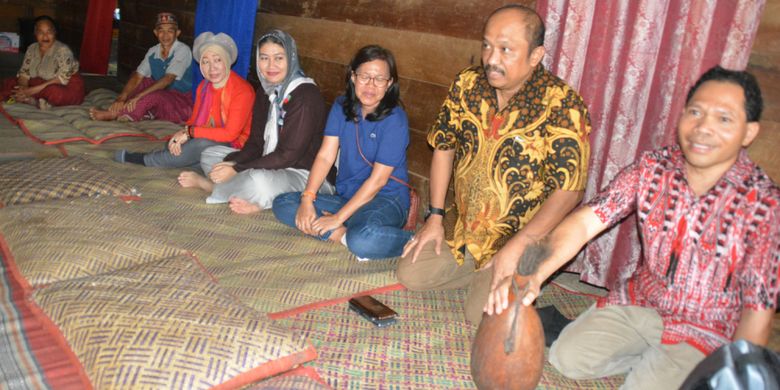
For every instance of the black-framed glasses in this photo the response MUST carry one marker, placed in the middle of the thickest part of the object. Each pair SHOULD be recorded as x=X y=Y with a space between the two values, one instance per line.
x=378 y=81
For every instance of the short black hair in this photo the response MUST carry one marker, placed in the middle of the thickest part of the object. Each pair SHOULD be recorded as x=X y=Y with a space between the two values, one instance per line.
x=392 y=94
x=754 y=103
x=46 y=18
x=534 y=25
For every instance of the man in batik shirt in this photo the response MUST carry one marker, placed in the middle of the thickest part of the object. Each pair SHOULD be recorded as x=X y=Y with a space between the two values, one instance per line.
x=515 y=137
x=710 y=228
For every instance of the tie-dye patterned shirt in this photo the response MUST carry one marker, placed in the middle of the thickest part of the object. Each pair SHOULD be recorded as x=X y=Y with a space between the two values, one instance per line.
x=705 y=258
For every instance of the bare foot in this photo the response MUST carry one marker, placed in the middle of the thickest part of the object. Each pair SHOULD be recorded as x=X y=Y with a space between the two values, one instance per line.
x=337 y=234
x=241 y=206
x=101 y=115
x=188 y=179
x=29 y=100
x=43 y=104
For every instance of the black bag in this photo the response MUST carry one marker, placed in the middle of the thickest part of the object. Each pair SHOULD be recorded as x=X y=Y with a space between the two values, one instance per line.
x=740 y=365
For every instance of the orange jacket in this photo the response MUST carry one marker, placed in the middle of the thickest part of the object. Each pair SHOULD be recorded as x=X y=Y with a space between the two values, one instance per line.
x=235 y=107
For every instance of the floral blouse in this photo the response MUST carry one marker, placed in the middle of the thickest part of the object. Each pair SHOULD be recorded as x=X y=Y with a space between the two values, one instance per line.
x=57 y=62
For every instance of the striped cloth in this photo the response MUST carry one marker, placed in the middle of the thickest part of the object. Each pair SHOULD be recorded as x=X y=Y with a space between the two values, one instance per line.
x=30 y=358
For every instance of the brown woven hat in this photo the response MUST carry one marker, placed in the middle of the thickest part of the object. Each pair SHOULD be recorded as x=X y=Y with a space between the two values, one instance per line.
x=166 y=17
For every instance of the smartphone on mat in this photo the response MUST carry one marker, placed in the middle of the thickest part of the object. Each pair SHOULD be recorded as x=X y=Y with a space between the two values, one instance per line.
x=373 y=310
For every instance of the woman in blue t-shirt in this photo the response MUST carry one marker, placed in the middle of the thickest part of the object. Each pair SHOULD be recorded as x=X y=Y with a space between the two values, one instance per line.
x=371 y=130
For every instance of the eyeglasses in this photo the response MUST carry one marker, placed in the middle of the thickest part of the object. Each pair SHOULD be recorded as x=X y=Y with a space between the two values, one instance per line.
x=378 y=81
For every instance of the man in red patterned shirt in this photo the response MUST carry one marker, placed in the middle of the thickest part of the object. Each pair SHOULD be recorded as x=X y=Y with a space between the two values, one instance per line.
x=710 y=228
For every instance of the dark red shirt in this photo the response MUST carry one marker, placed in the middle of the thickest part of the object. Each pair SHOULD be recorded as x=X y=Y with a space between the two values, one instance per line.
x=705 y=258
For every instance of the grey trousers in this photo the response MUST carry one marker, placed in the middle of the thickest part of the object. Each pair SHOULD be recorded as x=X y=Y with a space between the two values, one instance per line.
x=189 y=157
x=258 y=186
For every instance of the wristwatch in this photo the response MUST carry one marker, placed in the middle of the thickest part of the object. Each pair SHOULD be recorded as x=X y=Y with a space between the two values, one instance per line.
x=434 y=210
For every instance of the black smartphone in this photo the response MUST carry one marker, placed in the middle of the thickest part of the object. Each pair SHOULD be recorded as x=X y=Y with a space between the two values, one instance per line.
x=373 y=310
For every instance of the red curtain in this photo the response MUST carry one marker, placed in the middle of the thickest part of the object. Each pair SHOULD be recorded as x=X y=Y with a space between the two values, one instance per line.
x=96 y=43
x=633 y=62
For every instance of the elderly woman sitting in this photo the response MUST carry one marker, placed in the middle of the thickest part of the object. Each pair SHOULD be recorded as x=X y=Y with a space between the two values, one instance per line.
x=222 y=113
x=160 y=86
x=49 y=73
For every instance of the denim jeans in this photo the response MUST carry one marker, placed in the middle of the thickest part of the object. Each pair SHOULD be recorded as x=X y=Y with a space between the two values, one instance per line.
x=373 y=232
x=189 y=157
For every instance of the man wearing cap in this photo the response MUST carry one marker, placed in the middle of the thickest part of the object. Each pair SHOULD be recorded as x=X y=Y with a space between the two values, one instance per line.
x=160 y=87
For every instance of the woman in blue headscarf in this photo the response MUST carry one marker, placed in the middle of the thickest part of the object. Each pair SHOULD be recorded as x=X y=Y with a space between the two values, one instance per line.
x=287 y=128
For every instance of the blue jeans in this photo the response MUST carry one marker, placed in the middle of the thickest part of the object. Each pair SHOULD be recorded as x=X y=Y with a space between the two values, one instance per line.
x=373 y=232
x=189 y=157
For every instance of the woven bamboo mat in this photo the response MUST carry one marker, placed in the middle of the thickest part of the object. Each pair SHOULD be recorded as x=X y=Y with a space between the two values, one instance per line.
x=428 y=348
x=16 y=145
x=267 y=265
x=272 y=268
x=72 y=238
x=72 y=123
x=30 y=356
x=301 y=378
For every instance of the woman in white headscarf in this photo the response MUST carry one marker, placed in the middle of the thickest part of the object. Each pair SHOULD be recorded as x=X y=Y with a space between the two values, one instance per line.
x=287 y=129
x=222 y=114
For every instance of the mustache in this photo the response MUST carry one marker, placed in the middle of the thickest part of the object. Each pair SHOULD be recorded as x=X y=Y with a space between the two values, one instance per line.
x=493 y=68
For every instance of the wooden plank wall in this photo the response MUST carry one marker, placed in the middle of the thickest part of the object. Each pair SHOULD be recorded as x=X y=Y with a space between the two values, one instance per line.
x=71 y=15
x=136 y=27
x=12 y=11
x=431 y=40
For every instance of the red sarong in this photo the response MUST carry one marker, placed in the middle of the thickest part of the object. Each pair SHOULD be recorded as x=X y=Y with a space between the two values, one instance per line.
x=56 y=95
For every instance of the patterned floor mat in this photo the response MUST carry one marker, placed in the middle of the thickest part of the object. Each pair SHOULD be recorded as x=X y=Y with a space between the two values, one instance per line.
x=72 y=123
x=254 y=257
x=17 y=146
x=30 y=357
x=301 y=378
x=428 y=348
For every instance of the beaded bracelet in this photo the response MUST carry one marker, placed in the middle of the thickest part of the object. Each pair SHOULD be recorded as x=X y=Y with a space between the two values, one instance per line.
x=309 y=193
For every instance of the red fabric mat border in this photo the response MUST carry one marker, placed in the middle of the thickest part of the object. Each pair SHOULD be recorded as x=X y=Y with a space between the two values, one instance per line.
x=301 y=309
x=30 y=135
x=58 y=363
